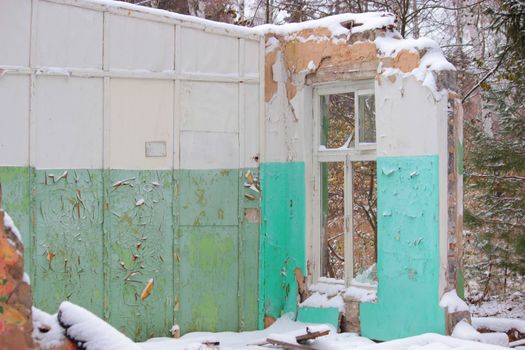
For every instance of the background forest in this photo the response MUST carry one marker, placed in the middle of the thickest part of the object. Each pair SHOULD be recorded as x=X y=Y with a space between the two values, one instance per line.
x=485 y=40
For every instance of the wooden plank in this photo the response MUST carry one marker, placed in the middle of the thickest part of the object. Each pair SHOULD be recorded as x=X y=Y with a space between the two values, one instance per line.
x=310 y=336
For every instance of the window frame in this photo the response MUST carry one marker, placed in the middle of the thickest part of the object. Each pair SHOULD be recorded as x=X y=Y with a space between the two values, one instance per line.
x=361 y=152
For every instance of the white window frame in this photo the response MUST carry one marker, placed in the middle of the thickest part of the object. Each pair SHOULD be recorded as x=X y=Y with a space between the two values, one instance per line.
x=361 y=152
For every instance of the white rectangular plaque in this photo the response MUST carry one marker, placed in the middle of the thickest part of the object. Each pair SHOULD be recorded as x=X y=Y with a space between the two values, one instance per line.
x=156 y=149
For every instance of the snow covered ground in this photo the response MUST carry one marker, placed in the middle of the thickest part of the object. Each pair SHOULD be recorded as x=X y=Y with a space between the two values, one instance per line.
x=512 y=306
x=94 y=334
x=286 y=328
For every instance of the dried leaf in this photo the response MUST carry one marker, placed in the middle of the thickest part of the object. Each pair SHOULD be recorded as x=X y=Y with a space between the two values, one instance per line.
x=147 y=290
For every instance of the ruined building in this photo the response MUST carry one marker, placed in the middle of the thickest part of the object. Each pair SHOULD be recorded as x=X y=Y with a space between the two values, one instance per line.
x=242 y=169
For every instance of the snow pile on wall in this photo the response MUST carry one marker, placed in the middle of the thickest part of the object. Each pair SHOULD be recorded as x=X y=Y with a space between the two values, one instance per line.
x=355 y=43
x=328 y=286
x=344 y=24
x=322 y=301
x=330 y=292
x=360 y=294
x=426 y=53
x=91 y=332
x=453 y=302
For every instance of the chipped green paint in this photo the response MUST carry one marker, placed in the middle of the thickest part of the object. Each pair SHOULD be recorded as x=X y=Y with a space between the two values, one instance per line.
x=141 y=236
x=108 y=232
x=67 y=222
x=282 y=237
x=408 y=250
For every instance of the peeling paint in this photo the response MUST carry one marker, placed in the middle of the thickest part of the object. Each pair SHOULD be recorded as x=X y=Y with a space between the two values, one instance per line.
x=282 y=238
x=408 y=273
x=115 y=230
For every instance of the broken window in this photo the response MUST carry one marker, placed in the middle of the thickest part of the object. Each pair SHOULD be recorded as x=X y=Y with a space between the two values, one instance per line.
x=346 y=190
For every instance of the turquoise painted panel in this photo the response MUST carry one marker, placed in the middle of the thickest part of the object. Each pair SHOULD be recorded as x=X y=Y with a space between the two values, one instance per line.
x=68 y=218
x=319 y=315
x=209 y=197
x=141 y=248
x=282 y=237
x=408 y=251
x=15 y=183
x=209 y=279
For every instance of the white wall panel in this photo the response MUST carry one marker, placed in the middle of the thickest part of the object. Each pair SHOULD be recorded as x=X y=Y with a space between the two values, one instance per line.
x=68 y=123
x=409 y=120
x=210 y=106
x=208 y=53
x=251 y=125
x=15 y=27
x=68 y=36
x=209 y=150
x=141 y=111
x=14 y=120
x=140 y=44
x=251 y=57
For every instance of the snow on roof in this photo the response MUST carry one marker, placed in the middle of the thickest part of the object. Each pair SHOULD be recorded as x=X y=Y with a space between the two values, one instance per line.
x=360 y=22
x=338 y=25
x=205 y=23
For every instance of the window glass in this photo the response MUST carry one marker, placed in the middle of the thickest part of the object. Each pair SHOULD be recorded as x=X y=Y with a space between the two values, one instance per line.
x=337 y=121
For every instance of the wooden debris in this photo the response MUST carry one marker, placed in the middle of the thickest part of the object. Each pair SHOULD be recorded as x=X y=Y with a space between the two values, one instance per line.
x=301 y=340
x=211 y=343
x=310 y=335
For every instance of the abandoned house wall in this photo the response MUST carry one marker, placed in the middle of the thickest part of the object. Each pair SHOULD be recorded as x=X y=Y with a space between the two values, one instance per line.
x=144 y=144
x=418 y=152
x=128 y=140
x=412 y=208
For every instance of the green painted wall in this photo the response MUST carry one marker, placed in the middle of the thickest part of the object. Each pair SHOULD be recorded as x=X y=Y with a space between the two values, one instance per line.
x=408 y=251
x=96 y=237
x=139 y=241
x=282 y=237
x=68 y=241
